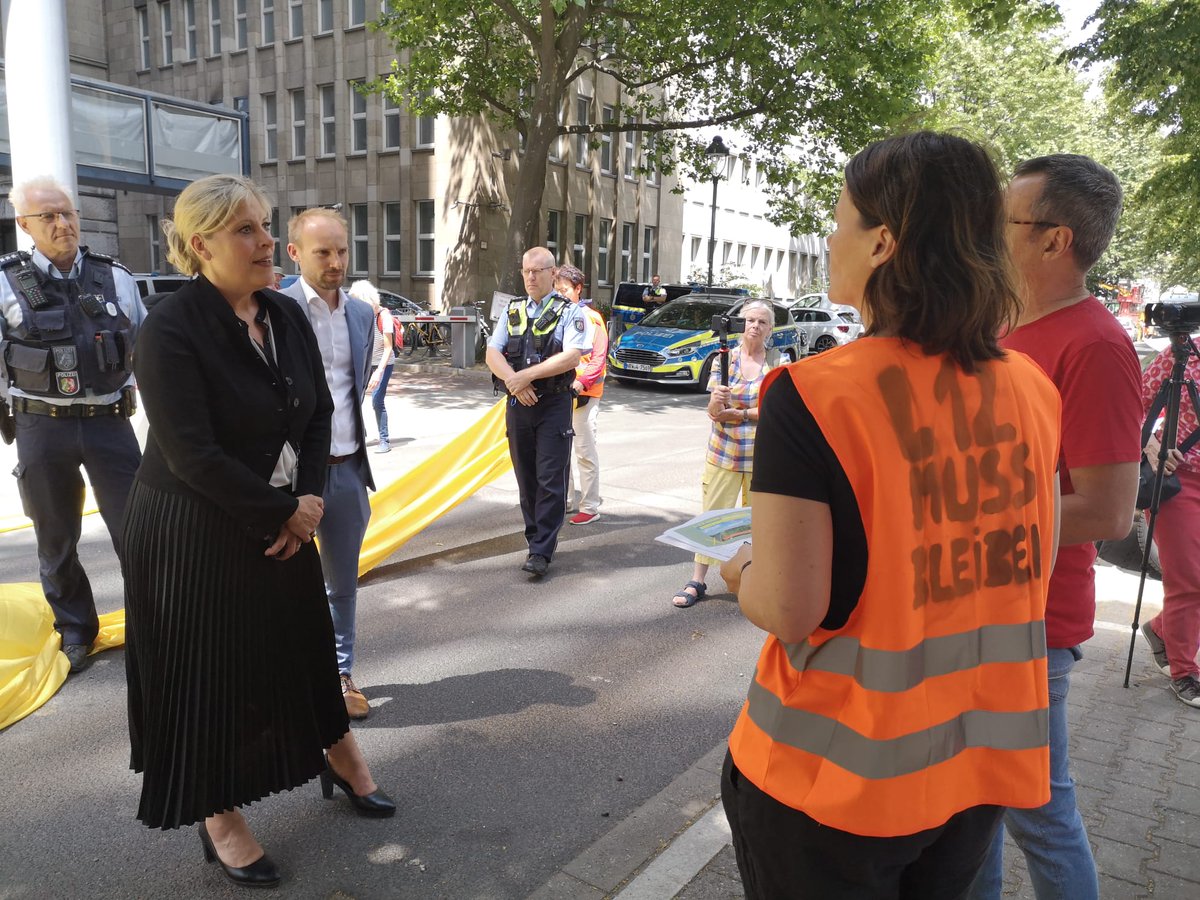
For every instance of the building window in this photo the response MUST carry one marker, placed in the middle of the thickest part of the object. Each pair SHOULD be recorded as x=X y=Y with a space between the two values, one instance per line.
x=240 y=37
x=425 y=226
x=726 y=252
x=553 y=232
x=745 y=170
x=268 y=21
x=155 y=244
x=647 y=252
x=741 y=254
x=579 y=247
x=603 y=236
x=630 y=159
x=358 y=118
x=143 y=18
x=424 y=131
x=296 y=18
x=556 y=145
x=214 y=27
x=648 y=149
x=583 y=112
x=328 y=122
x=270 y=127
x=356 y=13
x=767 y=253
x=277 y=255
x=360 y=240
x=168 y=36
x=391 y=123
x=391 y=238
x=626 y=249
x=324 y=16
x=298 y=130
x=754 y=257
x=696 y=242
x=607 y=115
x=189 y=28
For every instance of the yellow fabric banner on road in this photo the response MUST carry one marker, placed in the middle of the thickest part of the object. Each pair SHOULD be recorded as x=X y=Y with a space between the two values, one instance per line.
x=475 y=458
x=32 y=669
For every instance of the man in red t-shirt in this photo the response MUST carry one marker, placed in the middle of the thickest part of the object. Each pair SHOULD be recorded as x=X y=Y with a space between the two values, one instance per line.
x=1062 y=211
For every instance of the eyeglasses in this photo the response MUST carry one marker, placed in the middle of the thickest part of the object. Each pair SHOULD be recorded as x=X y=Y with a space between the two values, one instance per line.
x=528 y=272
x=1038 y=224
x=51 y=218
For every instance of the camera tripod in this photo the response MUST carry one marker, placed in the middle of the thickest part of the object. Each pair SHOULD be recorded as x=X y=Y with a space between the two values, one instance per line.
x=1169 y=395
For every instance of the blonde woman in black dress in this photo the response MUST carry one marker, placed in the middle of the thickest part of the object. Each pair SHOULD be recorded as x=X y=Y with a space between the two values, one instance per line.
x=233 y=681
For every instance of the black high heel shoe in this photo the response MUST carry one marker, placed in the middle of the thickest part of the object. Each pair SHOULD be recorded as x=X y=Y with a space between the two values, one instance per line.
x=376 y=804
x=260 y=873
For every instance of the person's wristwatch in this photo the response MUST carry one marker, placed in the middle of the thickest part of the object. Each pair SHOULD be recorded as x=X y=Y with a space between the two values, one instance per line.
x=745 y=415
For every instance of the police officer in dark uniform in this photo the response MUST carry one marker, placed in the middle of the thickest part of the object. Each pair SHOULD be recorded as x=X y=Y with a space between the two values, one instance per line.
x=533 y=354
x=68 y=319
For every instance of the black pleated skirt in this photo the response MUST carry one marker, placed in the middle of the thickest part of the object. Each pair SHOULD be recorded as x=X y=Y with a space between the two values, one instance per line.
x=233 y=679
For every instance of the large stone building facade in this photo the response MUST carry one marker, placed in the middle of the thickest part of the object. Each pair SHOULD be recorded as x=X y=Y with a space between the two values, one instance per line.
x=427 y=199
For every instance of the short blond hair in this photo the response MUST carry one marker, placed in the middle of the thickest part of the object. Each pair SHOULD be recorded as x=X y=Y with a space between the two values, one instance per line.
x=19 y=195
x=204 y=207
x=296 y=222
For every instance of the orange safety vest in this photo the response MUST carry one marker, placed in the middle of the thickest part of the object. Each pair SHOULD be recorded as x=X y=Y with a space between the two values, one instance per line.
x=932 y=698
x=601 y=334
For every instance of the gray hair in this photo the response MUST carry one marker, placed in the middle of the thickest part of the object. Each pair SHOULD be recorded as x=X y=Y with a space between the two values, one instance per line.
x=364 y=290
x=19 y=195
x=1083 y=195
x=758 y=301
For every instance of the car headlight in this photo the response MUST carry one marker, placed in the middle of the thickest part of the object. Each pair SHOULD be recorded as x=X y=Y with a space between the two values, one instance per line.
x=685 y=350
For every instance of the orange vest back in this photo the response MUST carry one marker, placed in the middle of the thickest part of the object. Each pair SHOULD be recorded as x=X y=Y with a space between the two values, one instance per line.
x=597 y=389
x=933 y=696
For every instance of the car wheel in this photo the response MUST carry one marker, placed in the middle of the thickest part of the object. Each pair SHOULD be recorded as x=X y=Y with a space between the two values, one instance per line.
x=823 y=343
x=705 y=373
x=789 y=357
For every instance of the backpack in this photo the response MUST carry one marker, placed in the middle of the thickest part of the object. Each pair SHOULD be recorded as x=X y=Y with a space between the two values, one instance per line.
x=397 y=331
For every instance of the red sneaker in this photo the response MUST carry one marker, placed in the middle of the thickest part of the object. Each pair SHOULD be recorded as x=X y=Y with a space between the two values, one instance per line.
x=584 y=518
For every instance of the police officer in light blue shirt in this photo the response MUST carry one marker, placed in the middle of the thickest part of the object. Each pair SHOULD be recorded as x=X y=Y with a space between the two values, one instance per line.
x=533 y=354
x=68 y=321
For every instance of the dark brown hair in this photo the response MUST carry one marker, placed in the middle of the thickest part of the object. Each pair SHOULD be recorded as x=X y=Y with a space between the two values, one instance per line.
x=569 y=274
x=950 y=286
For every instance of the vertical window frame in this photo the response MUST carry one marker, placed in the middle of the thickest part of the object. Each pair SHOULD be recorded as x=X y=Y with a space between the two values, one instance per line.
x=604 y=235
x=167 y=29
x=297 y=102
x=359 y=133
x=426 y=234
x=327 y=109
x=393 y=240
x=360 y=239
x=267 y=33
x=143 y=20
x=270 y=116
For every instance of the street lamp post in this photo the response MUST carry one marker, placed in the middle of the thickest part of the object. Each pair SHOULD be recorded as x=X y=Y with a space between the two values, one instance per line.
x=717 y=153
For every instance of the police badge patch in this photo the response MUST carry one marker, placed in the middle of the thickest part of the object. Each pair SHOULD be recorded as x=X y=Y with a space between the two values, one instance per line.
x=579 y=324
x=68 y=383
x=64 y=357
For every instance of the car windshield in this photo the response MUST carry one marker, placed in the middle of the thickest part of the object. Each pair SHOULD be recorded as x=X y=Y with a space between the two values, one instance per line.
x=688 y=316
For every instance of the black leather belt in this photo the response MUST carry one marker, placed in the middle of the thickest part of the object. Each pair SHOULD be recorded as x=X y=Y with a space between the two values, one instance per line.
x=336 y=460
x=71 y=411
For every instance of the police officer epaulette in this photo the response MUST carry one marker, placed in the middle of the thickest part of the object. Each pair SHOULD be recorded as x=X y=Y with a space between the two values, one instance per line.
x=17 y=257
x=104 y=258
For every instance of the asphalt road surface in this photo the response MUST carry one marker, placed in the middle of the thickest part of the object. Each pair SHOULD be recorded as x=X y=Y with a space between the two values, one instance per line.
x=514 y=722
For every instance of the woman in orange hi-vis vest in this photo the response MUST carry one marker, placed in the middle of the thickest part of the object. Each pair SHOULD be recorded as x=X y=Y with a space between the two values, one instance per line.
x=904 y=528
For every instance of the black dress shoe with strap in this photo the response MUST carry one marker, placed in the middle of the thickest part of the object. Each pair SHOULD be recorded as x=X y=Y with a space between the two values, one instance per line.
x=376 y=804
x=260 y=873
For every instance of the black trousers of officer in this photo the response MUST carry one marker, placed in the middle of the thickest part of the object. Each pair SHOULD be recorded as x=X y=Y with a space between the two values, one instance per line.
x=539 y=442
x=49 y=454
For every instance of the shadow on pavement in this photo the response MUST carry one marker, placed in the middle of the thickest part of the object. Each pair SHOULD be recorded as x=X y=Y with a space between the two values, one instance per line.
x=463 y=698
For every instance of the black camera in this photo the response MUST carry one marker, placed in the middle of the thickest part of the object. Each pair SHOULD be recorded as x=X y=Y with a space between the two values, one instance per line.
x=1173 y=318
x=725 y=325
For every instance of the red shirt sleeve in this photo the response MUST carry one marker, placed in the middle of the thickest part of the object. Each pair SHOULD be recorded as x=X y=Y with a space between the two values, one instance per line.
x=1101 y=387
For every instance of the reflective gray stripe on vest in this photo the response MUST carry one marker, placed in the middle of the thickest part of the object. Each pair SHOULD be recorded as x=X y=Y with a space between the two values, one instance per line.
x=868 y=758
x=891 y=671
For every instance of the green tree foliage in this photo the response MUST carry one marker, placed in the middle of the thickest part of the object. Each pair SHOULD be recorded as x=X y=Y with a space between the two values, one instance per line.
x=803 y=80
x=1016 y=90
x=1151 y=48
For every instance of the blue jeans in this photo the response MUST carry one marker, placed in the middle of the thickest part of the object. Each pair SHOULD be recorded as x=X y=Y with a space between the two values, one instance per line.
x=341 y=531
x=1052 y=837
x=377 y=397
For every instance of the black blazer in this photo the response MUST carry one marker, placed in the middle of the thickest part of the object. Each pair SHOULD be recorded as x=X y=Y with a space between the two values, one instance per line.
x=219 y=414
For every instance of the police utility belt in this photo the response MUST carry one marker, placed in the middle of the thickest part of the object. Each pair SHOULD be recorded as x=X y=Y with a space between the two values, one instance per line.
x=124 y=408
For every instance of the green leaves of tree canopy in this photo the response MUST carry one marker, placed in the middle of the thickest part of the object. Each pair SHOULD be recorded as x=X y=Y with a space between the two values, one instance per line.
x=1152 y=47
x=802 y=79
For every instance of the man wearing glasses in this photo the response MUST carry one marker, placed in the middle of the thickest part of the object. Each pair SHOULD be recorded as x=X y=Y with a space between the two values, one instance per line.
x=68 y=320
x=533 y=354
x=1062 y=212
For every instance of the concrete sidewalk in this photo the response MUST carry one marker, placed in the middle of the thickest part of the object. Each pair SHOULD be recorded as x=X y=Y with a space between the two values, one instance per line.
x=1135 y=757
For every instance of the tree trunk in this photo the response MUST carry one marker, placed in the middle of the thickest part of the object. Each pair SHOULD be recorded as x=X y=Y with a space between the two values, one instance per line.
x=524 y=224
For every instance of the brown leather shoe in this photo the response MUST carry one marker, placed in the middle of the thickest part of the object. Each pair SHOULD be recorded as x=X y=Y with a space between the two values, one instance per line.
x=356 y=704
